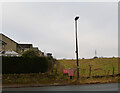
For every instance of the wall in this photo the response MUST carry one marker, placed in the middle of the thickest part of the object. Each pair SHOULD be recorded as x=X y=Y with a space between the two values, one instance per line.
x=11 y=45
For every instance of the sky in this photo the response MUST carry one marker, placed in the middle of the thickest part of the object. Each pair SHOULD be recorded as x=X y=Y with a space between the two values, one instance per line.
x=51 y=27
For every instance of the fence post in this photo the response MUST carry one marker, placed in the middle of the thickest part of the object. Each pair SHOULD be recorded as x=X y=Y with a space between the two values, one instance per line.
x=113 y=71
x=90 y=71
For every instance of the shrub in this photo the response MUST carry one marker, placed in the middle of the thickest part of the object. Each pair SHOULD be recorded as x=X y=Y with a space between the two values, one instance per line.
x=12 y=65
x=30 y=53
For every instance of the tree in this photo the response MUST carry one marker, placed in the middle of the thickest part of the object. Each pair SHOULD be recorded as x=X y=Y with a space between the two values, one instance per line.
x=30 y=53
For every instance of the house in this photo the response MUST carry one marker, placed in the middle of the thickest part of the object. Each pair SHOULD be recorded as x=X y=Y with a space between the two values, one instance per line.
x=49 y=54
x=40 y=53
x=23 y=47
x=7 y=44
x=2 y=45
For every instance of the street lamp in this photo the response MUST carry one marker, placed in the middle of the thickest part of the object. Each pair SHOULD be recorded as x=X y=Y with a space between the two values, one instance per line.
x=76 y=18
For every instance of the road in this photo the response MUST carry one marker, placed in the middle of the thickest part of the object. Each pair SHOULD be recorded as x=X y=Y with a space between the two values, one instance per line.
x=89 y=87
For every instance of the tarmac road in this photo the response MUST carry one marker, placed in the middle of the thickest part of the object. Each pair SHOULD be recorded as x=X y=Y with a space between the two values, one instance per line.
x=87 y=87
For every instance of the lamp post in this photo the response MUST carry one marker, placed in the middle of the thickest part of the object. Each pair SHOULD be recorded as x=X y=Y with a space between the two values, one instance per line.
x=76 y=18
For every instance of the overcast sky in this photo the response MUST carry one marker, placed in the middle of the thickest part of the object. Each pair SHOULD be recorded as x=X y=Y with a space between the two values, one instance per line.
x=50 y=26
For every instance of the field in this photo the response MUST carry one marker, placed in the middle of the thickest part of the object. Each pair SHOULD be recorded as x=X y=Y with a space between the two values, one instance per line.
x=99 y=66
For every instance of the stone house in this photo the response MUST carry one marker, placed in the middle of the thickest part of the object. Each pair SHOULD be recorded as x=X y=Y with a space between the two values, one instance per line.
x=7 y=44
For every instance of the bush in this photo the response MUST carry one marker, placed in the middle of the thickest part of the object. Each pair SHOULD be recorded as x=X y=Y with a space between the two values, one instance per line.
x=30 y=53
x=17 y=65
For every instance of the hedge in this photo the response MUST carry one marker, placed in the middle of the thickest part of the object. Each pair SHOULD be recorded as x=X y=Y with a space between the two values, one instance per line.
x=17 y=65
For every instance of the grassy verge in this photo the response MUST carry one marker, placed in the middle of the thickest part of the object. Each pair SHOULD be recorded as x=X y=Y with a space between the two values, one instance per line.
x=23 y=79
x=32 y=78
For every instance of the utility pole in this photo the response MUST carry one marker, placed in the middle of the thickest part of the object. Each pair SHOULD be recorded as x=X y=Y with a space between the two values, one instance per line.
x=76 y=18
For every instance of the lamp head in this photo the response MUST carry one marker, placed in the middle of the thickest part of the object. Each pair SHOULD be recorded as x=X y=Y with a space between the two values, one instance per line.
x=76 y=18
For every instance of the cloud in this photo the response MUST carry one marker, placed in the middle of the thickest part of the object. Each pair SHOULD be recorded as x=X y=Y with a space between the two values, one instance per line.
x=50 y=26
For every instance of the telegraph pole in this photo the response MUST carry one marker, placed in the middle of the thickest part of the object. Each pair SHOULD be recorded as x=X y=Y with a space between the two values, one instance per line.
x=76 y=18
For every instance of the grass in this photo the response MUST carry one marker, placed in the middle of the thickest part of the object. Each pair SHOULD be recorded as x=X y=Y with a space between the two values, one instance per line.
x=99 y=66
x=31 y=78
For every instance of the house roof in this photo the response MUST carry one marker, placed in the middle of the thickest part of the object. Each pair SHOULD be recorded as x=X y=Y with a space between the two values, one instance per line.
x=11 y=52
x=35 y=48
x=24 y=42
x=14 y=40
x=7 y=37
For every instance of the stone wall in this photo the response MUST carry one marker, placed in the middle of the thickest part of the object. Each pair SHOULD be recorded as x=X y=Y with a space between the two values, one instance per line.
x=10 y=44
